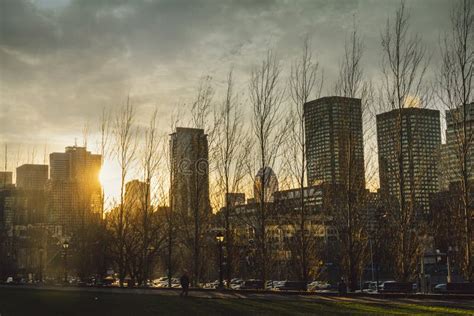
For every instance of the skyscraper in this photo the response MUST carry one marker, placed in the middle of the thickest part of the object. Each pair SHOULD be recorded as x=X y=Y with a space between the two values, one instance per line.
x=74 y=188
x=189 y=189
x=334 y=141
x=268 y=176
x=135 y=192
x=459 y=143
x=5 y=179
x=417 y=153
x=31 y=177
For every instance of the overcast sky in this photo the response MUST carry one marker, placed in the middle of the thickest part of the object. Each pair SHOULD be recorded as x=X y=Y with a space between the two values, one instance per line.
x=61 y=61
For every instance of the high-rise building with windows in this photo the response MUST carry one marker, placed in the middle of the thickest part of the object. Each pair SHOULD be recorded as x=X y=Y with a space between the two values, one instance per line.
x=135 y=193
x=74 y=188
x=76 y=164
x=334 y=141
x=31 y=177
x=267 y=176
x=416 y=152
x=6 y=179
x=459 y=144
x=189 y=189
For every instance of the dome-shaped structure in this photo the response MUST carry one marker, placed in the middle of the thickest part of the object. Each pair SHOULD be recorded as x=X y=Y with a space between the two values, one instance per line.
x=267 y=176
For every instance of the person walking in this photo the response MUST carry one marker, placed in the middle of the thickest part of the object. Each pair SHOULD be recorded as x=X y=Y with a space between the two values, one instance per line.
x=342 y=287
x=184 y=280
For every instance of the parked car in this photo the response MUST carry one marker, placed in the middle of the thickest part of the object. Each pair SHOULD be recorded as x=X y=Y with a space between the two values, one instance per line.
x=441 y=288
x=106 y=282
x=369 y=287
x=277 y=285
x=397 y=287
x=236 y=284
x=318 y=286
x=160 y=282
x=163 y=282
x=211 y=285
x=386 y=284
x=252 y=285
x=293 y=286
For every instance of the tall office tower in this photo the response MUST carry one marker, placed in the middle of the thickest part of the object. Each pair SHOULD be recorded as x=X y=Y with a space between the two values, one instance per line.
x=5 y=179
x=74 y=187
x=459 y=139
x=32 y=177
x=135 y=192
x=443 y=168
x=189 y=189
x=334 y=141
x=417 y=153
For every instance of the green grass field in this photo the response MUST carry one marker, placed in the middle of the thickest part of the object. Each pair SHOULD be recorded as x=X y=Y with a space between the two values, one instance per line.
x=34 y=302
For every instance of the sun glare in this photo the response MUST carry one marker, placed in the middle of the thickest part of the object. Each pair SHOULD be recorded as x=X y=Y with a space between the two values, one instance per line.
x=412 y=102
x=110 y=180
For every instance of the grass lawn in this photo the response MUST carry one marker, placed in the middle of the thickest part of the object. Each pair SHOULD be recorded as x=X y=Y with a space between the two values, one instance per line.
x=45 y=302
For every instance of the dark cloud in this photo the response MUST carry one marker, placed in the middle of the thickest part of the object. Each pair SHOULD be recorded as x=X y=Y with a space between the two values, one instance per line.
x=61 y=61
x=25 y=28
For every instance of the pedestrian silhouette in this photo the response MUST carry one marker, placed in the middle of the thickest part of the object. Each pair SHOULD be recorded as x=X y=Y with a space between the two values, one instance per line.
x=184 y=280
x=342 y=287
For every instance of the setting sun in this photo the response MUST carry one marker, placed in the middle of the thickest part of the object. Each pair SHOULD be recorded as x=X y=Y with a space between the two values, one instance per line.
x=110 y=180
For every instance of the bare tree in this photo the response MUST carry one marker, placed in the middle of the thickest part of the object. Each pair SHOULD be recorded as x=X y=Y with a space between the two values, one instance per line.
x=169 y=227
x=190 y=173
x=456 y=90
x=305 y=82
x=269 y=130
x=404 y=67
x=103 y=149
x=124 y=133
x=351 y=219
x=232 y=150
x=150 y=162
x=201 y=106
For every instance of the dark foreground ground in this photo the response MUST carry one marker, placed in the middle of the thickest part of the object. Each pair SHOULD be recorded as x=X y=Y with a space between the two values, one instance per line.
x=27 y=301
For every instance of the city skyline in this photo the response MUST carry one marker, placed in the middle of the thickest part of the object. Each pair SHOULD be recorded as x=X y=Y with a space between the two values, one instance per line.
x=219 y=146
x=56 y=166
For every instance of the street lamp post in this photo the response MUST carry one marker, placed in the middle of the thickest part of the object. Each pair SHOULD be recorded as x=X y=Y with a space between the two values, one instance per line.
x=41 y=264
x=372 y=259
x=148 y=264
x=448 y=265
x=220 y=240
x=65 y=247
x=369 y=230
